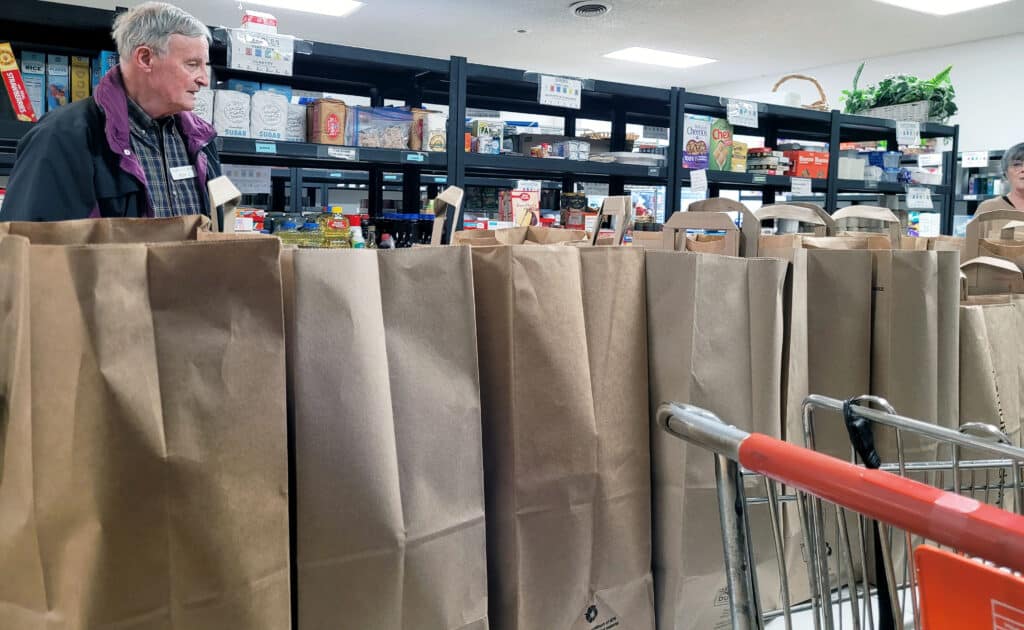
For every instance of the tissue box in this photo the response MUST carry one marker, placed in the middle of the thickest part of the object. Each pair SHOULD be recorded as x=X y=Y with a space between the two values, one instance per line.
x=268 y=117
x=296 y=129
x=573 y=150
x=204 y=105
x=231 y=113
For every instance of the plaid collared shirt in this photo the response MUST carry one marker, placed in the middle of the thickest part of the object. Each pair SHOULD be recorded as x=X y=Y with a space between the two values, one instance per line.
x=160 y=148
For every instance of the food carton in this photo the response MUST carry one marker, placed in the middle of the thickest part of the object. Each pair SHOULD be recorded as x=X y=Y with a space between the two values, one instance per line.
x=739 y=157
x=33 y=73
x=283 y=90
x=720 y=149
x=14 y=86
x=240 y=85
x=57 y=89
x=80 y=78
x=435 y=132
x=296 y=131
x=696 y=141
x=268 y=117
x=204 y=105
x=231 y=113
x=325 y=121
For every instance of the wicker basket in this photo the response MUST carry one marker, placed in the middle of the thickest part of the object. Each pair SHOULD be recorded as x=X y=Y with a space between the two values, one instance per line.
x=912 y=112
x=821 y=104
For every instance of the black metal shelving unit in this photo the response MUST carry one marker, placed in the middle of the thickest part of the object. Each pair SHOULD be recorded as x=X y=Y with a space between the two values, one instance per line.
x=459 y=85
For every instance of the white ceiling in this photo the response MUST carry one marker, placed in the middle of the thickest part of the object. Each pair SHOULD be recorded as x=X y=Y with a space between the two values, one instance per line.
x=750 y=38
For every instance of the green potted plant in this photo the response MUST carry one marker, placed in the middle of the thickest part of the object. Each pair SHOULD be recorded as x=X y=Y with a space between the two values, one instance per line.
x=903 y=97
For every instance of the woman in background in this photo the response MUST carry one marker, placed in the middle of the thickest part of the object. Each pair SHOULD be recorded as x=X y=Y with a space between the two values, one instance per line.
x=1012 y=168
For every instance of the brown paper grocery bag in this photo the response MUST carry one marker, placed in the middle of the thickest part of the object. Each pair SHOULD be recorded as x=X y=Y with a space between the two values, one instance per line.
x=389 y=482
x=526 y=235
x=94 y=231
x=715 y=325
x=981 y=239
x=561 y=337
x=158 y=495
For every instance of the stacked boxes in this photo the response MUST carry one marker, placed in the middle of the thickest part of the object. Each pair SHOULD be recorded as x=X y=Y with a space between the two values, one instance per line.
x=33 y=73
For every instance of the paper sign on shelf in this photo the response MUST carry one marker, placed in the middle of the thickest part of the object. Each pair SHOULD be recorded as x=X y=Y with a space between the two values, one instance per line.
x=260 y=52
x=343 y=153
x=975 y=159
x=742 y=113
x=655 y=133
x=929 y=160
x=560 y=92
x=699 y=181
x=919 y=198
x=528 y=185
x=801 y=186
x=250 y=180
x=908 y=133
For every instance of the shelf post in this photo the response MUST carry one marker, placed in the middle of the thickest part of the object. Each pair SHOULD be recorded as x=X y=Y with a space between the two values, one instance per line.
x=617 y=185
x=950 y=176
x=456 y=132
x=674 y=158
x=832 y=192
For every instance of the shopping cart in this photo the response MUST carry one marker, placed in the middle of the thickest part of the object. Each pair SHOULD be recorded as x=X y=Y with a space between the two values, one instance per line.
x=861 y=573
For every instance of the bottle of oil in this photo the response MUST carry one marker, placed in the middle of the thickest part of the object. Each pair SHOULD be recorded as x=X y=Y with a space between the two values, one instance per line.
x=335 y=229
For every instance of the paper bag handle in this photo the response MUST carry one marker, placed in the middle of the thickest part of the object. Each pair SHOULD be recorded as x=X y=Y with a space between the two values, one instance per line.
x=682 y=221
x=975 y=229
x=793 y=212
x=223 y=193
x=981 y=262
x=616 y=206
x=449 y=197
x=750 y=233
x=872 y=213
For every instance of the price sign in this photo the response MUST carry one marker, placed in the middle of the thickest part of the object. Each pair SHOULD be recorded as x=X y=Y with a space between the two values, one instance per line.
x=919 y=198
x=908 y=133
x=975 y=159
x=560 y=92
x=801 y=186
x=415 y=157
x=528 y=185
x=343 y=153
x=699 y=181
x=653 y=171
x=929 y=160
x=742 y=113
x=760 y=179
x=266 y=147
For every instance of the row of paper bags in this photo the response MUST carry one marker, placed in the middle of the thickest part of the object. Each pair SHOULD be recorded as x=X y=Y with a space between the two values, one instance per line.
x=468 y=440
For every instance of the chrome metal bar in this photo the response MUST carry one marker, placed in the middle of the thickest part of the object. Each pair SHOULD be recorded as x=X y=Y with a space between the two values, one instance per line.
x=780 y=550
x=734 y=542
x=701 y=427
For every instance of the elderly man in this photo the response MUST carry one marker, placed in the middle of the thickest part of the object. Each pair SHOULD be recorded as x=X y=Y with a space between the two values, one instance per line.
x=133 y=149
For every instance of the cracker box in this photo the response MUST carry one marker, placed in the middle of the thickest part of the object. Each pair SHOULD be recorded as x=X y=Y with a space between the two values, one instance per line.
x=204 y=105
x=325 y=121
x=268 y=116
x=33 y=73
x=231 y=113
x=739 y=157
x=696 y=141
x=80 y=78
x=296 y=131
x=108 y=59
x=720 y=149
x=57 y=88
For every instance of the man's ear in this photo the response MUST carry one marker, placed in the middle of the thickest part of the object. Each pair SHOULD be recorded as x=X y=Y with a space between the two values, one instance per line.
x=142 y=58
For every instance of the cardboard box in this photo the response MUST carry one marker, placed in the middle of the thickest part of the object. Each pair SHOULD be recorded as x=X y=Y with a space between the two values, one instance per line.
x=57 y=75
x=739 y=157
x=812 y=164
x=14 y=86
x=435 y=132
x=296 y=129
x=696 y=141
x=231 y=113
x=259 y=22
x=108 y=59
x=268 y=116
x=325 y=121
x=95 y=73
x=80 y=78
x=720 y=148
x=283 y=90
x=240 y=85
x=33 y=73
x=204 y=105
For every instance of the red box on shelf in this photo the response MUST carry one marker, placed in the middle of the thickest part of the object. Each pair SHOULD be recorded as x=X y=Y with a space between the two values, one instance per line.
x=812 y=164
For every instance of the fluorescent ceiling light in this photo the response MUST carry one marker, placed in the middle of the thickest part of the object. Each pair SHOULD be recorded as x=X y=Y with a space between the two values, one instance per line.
x=942 y=7
x=658 y=57
x=333 y=8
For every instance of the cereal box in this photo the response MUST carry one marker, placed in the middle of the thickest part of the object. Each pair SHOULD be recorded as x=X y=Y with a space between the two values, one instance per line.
x=14 y=86
x=720 y=149
x=696 y=141
x=80 y=78
x=57 y=92
x=33 y=73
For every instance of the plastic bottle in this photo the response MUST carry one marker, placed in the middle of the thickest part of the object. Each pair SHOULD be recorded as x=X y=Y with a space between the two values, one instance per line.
x=310 y=234
x=371 y=237
x=288 y=232
x=335 y=228
x=386 y=242
x=356 y=230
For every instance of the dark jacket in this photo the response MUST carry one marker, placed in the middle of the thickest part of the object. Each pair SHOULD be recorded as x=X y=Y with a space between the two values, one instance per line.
x=77 y=161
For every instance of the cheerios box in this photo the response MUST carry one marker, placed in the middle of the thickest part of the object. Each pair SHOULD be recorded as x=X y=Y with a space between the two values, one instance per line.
x=696 y=141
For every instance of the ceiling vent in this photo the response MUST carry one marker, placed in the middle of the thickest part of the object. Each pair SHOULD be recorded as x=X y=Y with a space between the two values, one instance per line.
x=588 y=9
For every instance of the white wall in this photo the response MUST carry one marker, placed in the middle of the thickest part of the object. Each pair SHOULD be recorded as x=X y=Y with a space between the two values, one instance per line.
x=989 y=87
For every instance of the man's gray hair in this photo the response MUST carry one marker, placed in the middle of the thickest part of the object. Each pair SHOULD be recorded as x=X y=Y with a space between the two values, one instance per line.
x=152 y=24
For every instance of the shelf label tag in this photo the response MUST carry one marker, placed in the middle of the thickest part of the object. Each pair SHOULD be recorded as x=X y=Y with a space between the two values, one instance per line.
x=742 y=113
x=975 y=159
x=919 y=198
x=699 y=181
x=343 y=153
x=759 y=179
x=260 y=52
x=653 y=171
x=908 y=133
x=801 y=186
x=560 y=92
x=655 y=133
x=266 y=147
x=415 y=157
x=528 y=185
x=871 y=183
x=929 y=160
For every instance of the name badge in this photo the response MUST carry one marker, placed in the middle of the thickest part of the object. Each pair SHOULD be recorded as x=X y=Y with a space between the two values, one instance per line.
x=179 y=173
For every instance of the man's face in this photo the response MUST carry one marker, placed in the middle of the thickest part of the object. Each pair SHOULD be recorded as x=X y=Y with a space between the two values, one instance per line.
x=179 y=73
